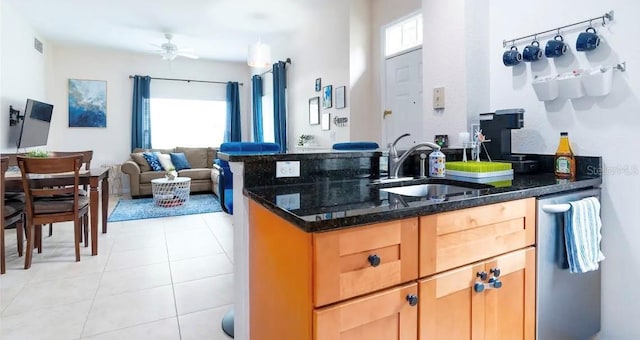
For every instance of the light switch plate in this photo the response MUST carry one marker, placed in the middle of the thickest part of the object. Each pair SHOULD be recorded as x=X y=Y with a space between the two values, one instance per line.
x=287 y=169
x=438 y=98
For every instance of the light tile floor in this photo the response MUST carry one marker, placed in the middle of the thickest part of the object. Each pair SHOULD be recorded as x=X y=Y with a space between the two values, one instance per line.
x=165 y=278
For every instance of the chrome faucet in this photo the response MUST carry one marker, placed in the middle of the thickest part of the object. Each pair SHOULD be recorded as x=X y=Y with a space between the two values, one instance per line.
x=395 y=162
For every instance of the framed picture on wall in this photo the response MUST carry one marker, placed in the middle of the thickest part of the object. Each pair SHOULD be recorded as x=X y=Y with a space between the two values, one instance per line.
x=340 y=99
x=327 y=98
x=325 y=121
x=87 y=103
x=318 y=84
x=314 y=111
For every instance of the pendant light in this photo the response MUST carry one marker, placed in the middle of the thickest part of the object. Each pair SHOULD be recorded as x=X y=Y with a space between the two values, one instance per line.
x=259 y=55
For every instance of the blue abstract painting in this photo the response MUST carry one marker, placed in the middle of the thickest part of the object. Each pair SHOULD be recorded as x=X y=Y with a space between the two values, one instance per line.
x=87 y=103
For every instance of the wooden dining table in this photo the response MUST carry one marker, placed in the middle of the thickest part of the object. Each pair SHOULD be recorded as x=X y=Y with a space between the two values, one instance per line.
x=96 y=179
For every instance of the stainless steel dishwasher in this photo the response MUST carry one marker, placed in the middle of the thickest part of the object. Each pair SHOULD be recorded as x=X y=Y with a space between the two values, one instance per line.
x=567 y=305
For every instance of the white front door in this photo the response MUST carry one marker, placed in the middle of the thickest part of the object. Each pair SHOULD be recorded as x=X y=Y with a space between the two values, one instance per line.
x=403 y=99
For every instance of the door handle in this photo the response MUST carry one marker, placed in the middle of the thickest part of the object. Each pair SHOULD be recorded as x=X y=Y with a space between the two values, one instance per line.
x=556 y=208
x=386 y=113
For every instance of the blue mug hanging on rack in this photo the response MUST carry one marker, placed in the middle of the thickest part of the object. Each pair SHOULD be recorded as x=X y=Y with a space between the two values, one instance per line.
x=588 y=40
x=511 y=57
x=556 y=47
x=532 y=52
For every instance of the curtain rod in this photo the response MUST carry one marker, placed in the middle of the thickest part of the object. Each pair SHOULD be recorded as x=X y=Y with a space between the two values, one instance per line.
x=191 y=80
x=287 y=61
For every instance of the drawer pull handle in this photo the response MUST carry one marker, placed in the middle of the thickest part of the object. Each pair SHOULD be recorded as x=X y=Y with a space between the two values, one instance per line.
x=495 y=283
x=374 y=260
x=495 y=271
x=482 y=275
x=412 y=299
x=478 y=287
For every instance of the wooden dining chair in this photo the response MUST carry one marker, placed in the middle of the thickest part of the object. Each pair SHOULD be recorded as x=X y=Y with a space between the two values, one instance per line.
x=51 y=204
x=86 y=161
x=12 y=212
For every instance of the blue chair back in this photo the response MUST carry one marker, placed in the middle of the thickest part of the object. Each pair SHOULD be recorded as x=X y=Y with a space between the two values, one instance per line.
x=225 y=181
x=249 y=148
x=355 y=146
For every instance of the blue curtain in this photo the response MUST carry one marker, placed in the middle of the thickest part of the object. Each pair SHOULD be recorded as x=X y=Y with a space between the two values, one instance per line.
x=232 y=132
x=141 y=113
x=279 y=104
x=256 y=90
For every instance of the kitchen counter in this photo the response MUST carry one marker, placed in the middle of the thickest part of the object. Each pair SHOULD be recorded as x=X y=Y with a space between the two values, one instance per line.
x=337 y=190
x=334 y=204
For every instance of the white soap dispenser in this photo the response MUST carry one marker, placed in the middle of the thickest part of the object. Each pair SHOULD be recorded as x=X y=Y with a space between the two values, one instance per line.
x=436 y=163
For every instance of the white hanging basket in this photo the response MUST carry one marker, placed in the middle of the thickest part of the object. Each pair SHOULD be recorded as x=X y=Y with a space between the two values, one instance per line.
x=597 y=82
x=570 y=86
x=546 y=88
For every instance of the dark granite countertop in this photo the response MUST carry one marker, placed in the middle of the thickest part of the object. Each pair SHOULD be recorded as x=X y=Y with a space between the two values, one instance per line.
x=334 y=204
x=252 y=156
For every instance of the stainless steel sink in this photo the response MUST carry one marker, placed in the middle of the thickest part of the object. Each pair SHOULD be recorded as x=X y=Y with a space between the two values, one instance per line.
x=430 y=190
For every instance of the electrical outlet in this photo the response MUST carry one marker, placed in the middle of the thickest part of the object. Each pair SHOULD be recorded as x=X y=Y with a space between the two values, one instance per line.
x=438 y=98
x=288 y=201
x=287 y=169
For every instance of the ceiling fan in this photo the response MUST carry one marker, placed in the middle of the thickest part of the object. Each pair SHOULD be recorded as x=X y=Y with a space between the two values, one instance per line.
x=170 y=51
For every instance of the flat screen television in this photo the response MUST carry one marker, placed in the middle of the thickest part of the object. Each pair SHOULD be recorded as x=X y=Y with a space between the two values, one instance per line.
x=35 y=125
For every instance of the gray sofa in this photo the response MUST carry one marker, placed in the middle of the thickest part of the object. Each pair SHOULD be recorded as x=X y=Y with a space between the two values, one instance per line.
x=203 y=180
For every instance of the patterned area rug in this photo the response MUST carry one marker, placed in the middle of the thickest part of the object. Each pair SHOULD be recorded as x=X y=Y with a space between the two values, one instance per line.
x=138 y=209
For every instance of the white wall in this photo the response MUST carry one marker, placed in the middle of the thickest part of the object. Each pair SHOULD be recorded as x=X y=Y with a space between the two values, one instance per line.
x=362 y=125
x=23 y=70
x=606 y=126
x=113 y=143
x=444 y=65
x=320 y=49
x=3 y=133
x=477 y=58
x=340 y=44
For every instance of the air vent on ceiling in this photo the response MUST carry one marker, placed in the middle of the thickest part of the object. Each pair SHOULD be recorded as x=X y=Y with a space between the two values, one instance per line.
x=37 y=44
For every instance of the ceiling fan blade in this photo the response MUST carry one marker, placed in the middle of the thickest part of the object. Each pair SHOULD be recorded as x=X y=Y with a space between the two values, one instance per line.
x=186 y=50
x=188 y=55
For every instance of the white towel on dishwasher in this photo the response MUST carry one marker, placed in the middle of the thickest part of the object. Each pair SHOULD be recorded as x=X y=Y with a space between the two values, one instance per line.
x=582 y=235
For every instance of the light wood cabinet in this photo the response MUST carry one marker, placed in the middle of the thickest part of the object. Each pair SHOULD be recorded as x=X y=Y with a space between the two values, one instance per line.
x=293 y=273
x=413 y=278
x=459 y=304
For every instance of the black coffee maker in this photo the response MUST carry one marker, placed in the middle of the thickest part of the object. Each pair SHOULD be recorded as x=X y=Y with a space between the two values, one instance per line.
x=496 y=128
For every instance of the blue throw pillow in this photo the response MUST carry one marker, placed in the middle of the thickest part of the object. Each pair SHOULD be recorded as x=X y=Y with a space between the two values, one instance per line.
x=153 y=161
x=180 y=161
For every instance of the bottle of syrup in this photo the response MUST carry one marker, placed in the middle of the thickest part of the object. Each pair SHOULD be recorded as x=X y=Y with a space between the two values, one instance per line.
x=565 y=162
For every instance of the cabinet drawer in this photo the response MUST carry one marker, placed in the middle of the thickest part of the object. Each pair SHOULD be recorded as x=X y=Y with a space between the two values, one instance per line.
x=380 y=316
x=360 y=260
x=456 y=238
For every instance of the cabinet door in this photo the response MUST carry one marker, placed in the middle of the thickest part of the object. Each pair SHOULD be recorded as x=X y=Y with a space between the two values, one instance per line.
x=450 y=307
x=510 y=309
x=459 y=304
x=386 y=315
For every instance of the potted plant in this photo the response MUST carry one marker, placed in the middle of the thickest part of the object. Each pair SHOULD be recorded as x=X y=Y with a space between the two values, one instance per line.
x=304 y=139
x=38 y=154
x=171 y=174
